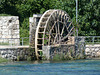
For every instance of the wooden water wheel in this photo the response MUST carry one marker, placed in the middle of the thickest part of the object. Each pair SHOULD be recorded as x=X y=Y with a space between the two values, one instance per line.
x=54 y=28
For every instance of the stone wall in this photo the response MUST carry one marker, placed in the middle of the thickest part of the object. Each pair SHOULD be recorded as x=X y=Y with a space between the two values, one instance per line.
x=31 y=32
x=92 y=51
x=50 y=51
x=80 y=44
x=15 y=53
x=9 y=30
x=33 y=22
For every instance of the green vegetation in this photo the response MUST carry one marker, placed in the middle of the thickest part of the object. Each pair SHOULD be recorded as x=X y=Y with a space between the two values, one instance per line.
x=4 y=43
x=70 y=55
x=24 y=41
x=44 y=58
x=67 y=56
x=88 y=15
x=29 y=57
x=3 y=60
x=4 y=15
x=58 y=57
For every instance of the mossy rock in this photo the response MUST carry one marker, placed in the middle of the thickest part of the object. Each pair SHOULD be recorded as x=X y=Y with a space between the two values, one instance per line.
x=3 y=60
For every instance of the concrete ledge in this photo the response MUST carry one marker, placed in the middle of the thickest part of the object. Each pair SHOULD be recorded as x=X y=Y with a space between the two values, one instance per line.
x=94 y=45
x=7 y=47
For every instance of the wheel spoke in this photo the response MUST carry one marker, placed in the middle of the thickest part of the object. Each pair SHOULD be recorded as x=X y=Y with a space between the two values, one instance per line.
x=70 y=33
x=62 y=30
x=54 y=27
x=51 y=31
x=59 y=37
x=56 y=35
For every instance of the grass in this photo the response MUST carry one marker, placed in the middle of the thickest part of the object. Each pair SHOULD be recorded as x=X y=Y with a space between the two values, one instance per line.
x=3 y=60
x=5 y=15
x=4 y=43
x=67 y=56
x=25 y=41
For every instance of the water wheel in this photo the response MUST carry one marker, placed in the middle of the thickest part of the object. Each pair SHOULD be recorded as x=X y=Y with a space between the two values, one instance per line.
x=53 y=28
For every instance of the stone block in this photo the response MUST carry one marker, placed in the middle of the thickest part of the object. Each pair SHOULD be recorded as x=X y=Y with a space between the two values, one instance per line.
x=46 y=52
x=71 y=40
x=8 y=36
x=3 y=32
x=97 y=49
x=98 y=54
x=3 y=36
x=17 y=22
x=18 y=36
x=4 y=26
x=17 y=32
x=14 y=37
x=1 y=52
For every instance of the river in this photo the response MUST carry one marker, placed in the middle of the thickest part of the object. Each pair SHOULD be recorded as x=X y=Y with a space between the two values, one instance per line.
x=76 y=67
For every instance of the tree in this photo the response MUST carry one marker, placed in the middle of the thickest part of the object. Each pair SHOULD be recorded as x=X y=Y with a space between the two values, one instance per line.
x=88 y=19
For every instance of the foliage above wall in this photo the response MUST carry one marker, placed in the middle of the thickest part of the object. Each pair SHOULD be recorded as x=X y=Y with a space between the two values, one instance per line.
x=88 y=18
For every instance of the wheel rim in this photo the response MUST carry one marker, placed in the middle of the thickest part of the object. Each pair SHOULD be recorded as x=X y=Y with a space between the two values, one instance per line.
x=53 y=28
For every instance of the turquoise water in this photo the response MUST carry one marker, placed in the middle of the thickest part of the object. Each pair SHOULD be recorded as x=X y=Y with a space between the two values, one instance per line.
x=77 y=67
